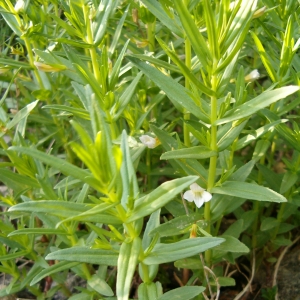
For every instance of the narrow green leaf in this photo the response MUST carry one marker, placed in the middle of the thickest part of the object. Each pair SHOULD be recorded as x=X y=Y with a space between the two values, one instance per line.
x=58 y=267
x=269 y=223
x=157 y=10
x=85 y=255
x=184 y=69
x=265 y=58
x=163 y=253
x=197 y=40
x=38 y=231
x=197 y=152
x=127 y=263
x=263 y=100
x=288 y=180
x=159 y=197
x=79 y=112
x=64 y=210
x=248 y=191
x=149 y=291
x=183 y=293
x=173 y=90
x=57 y=163
x=14 y=255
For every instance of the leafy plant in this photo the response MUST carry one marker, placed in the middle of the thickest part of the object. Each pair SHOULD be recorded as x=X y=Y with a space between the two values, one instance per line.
x=113 y=113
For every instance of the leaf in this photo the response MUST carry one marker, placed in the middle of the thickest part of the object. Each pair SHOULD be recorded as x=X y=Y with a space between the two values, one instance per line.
x=159 y=197
x=127 y=263
x=248 y=191
x=100 y=285
x=79 y=112
x=183 y=293
x=163 y=253
x=288 y=180
x=176 y=92
x=38 y=231
x=149 y=291
x=157 y=10
x=263 y=100
x=232 y=244
x=65 y=209
x=85 y=255
x=226 y=281
x=269 y=223
x=58 y=267
x=197 y=152
x=176 y=226
x=57 y=163
x=14 y=255
x=197 y=40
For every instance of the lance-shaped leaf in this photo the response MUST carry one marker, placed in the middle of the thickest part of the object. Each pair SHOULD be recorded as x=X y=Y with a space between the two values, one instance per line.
x=163 y=253
x=58 y=267
x=248 y=191
x=197 y=152
x=85 y=255
x=197 y=40
x=59 y=164
x=157 y=10
x=176 y=92
x=65 y=209
x=263 y=100
x=183 y=293
x=127 y=263
x=159 y=197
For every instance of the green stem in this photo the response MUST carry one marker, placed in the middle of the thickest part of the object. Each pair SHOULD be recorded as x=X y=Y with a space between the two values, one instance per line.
x=31 y=62
x=212 y=162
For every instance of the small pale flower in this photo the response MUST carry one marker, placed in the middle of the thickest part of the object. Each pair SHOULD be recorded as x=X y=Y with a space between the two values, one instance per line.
x=149 y=141
x=197 y=194
x=252 y=76
x=20 y=6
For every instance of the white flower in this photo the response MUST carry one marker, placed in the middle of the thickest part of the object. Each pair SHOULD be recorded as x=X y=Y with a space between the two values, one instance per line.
x=20 y=6
x=149 y=141
x=197 y=194
x=252 y=76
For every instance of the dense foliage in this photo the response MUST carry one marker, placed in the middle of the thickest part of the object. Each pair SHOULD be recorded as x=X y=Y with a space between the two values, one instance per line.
x=114 y=113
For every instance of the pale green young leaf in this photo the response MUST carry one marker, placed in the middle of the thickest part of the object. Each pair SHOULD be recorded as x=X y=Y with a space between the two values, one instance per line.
x=248 y=191
x=265 y=58
x=163 y=253
x=183 y=293
x=85 y=255
x=197 y=152
x=99 y=285
x=159 y=197
x=38 y=231
x=127 y=262
x=211 y=27
x=149 y=291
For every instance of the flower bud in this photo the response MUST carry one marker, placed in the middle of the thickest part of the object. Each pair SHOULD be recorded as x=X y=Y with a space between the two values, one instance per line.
x=252 y=76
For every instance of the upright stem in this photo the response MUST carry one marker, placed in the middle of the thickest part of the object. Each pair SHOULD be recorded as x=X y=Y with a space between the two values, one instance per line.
x=212 y=162
x=188 y=63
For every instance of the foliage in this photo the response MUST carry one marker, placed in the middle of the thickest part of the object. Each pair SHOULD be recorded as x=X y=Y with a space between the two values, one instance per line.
x=83 y=81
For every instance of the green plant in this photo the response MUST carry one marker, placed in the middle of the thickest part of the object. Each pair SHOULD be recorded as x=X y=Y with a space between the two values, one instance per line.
x=123 y=105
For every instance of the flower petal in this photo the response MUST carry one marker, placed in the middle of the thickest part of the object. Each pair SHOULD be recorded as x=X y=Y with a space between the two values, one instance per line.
x=206 y=196
x=196 y=188
x=198 y=200
x=189 y=196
